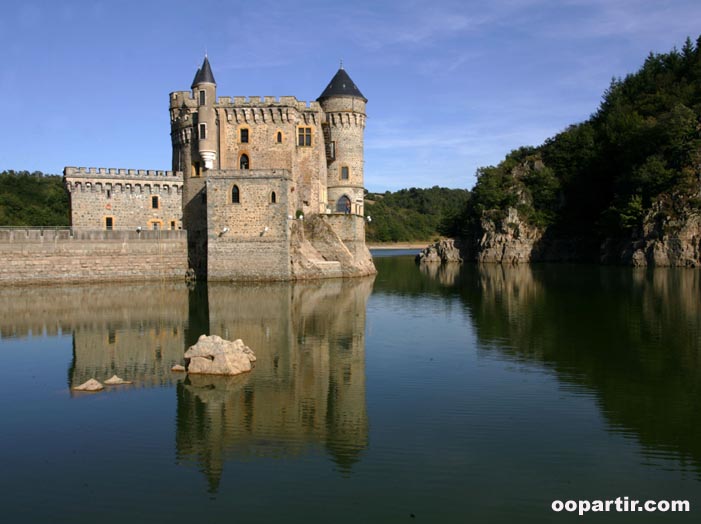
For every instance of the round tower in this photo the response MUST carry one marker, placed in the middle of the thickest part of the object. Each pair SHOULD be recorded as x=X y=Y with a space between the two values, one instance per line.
x=344 y=129
x=204 y=91
x=194 y=136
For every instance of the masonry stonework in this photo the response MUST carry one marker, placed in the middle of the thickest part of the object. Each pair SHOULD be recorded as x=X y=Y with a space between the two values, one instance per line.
x=256 y=182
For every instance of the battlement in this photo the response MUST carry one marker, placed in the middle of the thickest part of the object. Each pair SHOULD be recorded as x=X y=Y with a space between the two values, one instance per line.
x=268 y=101
x=110 y=172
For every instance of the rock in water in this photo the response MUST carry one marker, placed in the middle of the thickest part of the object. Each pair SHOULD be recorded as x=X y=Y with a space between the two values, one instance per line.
x=442 y=251
x=216 y=356
x=90 y=385
x=178 y=368
x=114 y=380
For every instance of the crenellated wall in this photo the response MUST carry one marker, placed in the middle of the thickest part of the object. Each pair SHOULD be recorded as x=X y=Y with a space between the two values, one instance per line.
x=35 y=256
x=131 y=198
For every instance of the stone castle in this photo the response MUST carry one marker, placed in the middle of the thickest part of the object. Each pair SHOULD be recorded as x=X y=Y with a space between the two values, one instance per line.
x=266 y=188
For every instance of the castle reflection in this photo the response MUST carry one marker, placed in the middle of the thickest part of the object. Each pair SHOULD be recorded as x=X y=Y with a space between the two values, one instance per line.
x=306 y=390
x=308 y=386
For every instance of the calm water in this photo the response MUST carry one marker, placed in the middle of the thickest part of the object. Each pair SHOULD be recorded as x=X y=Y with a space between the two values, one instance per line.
x=451 y=395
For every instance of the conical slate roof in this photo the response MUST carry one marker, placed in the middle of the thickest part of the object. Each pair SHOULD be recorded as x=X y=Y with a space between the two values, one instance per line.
x=341 y=85
x=204 y=74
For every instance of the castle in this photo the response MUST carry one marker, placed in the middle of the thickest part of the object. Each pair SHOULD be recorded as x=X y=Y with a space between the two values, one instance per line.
x=266 y=188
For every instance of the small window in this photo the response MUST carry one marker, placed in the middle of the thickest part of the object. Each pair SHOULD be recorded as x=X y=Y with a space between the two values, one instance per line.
x=154 y=202
x=244 y=136
x=305 y=136
x=156 y=226
x=273 y=198
x=235 y=197
x=109 y=223
x=203 y=131
x=279 y=137
x=344 y=173
x=109 y=193
x=343 y=205
x=243 y=162
x=196 y=169
x=203 y=97
x=172 y=224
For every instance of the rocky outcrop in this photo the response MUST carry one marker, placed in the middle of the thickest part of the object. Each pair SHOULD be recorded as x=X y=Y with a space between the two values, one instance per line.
x=324 y=246
x=216 y=356
x=507 y=241
x=666 y=239
x=442 y=251
x=90 y=385
x=178 y=368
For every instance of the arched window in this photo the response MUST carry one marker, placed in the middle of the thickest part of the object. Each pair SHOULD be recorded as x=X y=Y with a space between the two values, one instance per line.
x=279 y=137
x=235 y=196
x=273 y=198
x=343 y=205
x=243 y=161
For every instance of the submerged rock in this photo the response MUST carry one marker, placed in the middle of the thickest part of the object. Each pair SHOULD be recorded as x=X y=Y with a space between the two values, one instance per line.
x=90 y=385
x=114 y=380
x=216 y=356
x=178 y=368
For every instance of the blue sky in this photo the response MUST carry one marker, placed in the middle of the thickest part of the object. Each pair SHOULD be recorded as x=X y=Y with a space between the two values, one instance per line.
x=452 y=86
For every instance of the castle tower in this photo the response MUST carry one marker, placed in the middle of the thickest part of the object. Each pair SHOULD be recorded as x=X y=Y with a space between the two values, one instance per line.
x=344 y=128
x=194 y=132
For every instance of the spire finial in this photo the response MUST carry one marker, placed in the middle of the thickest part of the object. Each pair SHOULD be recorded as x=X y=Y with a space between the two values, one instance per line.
x=341 y=66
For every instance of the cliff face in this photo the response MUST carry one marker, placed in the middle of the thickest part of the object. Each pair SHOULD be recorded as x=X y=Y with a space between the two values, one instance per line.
x=507 y=241
x=668 y=237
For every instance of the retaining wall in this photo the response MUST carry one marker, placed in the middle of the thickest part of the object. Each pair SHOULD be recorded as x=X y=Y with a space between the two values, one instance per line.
x=50 y=256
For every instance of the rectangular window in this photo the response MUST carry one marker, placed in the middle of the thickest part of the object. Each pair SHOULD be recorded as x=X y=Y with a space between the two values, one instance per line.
x=196 y=169
x=109 y=223
x=305 y=136
x=203 y=97
x=154 y=202
x=244 y=136
x=203 y=131
x=172 y=224
x=331 y=150
x=344 y=173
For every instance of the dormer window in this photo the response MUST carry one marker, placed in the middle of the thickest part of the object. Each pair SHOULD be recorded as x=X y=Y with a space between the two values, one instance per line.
x=203 y=97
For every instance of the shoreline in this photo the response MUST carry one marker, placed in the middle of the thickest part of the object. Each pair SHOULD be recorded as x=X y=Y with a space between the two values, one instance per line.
x=397 y=245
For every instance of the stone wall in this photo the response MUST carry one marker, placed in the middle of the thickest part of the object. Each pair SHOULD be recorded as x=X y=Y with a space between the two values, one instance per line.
x=56 y=256
x=131 y=198
x=248 y=239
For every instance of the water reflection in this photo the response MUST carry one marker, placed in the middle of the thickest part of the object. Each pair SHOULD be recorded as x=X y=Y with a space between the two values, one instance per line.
x=134 y=331
x=308 y=386
x=632 y=337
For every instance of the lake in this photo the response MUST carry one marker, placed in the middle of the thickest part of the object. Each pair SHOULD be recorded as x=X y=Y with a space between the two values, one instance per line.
x=443 y=394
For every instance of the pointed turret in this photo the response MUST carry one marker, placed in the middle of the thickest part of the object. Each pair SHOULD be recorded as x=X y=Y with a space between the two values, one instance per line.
x=341 y=85
x=204 y=74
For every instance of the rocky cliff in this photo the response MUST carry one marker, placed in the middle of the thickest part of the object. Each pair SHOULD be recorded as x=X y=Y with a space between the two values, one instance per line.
x=670 y=236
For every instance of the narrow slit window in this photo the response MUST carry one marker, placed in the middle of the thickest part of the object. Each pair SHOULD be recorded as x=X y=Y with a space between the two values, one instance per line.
x=203 y=131
x=273 y=198
x=279 y=137
x=203 y=97
x=235 y=195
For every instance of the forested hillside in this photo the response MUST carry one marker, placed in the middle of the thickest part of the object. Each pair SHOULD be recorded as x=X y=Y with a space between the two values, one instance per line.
x=32 y=199
x=637 y=156
x=412 y=214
